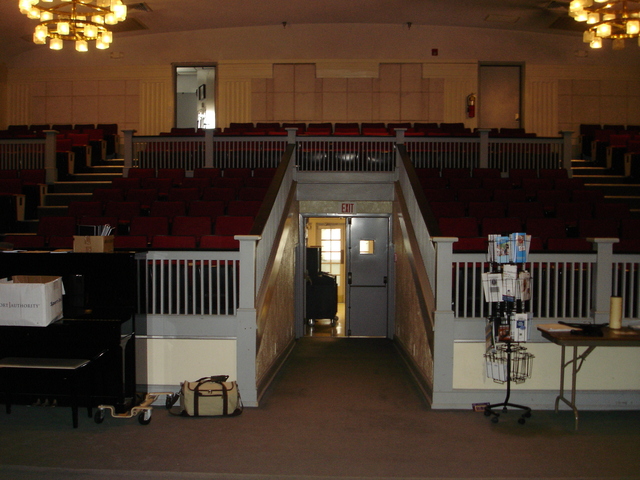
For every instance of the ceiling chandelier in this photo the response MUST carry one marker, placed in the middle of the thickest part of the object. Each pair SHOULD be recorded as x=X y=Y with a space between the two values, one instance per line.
x=614 y=19
x=80 y=21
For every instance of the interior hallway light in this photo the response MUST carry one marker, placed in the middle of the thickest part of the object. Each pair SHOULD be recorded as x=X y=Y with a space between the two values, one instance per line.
x=80 y=21
x=613 y=19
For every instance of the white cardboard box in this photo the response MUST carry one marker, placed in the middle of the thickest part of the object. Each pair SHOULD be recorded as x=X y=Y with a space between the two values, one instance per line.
x=30 y=300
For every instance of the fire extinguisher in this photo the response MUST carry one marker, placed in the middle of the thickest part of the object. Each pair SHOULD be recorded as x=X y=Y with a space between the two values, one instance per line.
x=471 y=106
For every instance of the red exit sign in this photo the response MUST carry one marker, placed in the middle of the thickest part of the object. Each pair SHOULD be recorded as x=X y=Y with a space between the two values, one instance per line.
x=348 y=208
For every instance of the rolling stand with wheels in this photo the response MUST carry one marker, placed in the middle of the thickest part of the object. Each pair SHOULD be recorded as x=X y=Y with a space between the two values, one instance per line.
x=507 y=363
x=507 y=290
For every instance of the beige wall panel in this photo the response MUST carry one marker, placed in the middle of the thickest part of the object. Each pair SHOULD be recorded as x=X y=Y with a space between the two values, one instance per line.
x=112 y=87
x=633 y=117
x=390 y=77
x=613 y=110
x=347 y=69
x=425 y=100
x=334 y=84
x=306 y=107
x=411 y=77
x=85 y=109
x=436 y=107
x=360 y=85
x=390 y=106
x=305 y=78
x=456 y=91
x=132 y=87
x=614 y=89
x=586 y=109
x=85 y=87
x=586 y=87
x=132 y=109
x=38 y=89
x=411 y=106
x=38 y=111
x=564 y=109
x=114 y=107
x=334 y=106
x=565 y=87
x=18 y=103
x=283 y=105
x=59 y=88
x=172 y=361
x=155 y=108
x=283 y=78
x=359 y=107
x=59 y=110
x=259 y=106
x=234 y=103
x=436 y=85
x=259 y=85
x=541 y=108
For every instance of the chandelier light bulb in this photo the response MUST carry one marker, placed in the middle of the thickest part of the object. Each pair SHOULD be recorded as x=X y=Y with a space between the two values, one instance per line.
x=593 y=18
x=604 y=30
x=581 y=16
x=63 y=28
x=633 y=27
x=90 y=31
x=82 y=46
x=596 y=42
x=46 y=16
x=101 y=44
x=587 y=36
x=107 y=37
x=55 y=44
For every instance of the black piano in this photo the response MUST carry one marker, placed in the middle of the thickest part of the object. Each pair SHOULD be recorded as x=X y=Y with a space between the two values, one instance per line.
x=98 y=323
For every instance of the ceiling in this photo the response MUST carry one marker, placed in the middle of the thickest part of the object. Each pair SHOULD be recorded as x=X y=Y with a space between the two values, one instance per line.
x=161 y=16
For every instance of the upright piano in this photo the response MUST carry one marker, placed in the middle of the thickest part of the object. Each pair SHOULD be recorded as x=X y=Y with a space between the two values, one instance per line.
x=99 y=303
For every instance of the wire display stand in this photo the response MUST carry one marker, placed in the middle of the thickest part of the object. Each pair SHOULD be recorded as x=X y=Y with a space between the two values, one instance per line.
x=507 y=288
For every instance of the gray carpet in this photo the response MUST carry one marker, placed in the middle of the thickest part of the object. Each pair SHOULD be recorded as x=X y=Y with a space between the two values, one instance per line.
x=340 y=408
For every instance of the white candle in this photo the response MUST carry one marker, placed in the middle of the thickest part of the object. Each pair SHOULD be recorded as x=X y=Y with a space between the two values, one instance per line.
x=615 y=313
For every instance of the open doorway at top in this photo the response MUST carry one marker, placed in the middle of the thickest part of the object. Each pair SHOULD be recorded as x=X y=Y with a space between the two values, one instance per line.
x=195 y=96
x=324 y=277
x=347 y=276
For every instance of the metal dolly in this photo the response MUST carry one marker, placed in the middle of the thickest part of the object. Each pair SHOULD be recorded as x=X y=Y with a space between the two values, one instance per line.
x=142 y=411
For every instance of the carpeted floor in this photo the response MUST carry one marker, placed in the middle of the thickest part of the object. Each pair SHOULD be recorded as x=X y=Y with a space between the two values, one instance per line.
x=340 y=408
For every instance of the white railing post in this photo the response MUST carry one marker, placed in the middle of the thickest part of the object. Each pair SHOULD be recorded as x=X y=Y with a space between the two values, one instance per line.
x=484 y=147
x=400 y=135
x=51 y=170
x=208 y=148
x=128 y=151
x=247 y=320
x=602 y=282
x=567 y=150
x=291 y=135
x=444 y=321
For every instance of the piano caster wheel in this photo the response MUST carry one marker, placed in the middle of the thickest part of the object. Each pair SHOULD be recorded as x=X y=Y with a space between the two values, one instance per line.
x=98 y=417
x=145 y=417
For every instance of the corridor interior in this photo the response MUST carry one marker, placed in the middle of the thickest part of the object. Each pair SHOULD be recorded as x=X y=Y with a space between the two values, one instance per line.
x=328 y=234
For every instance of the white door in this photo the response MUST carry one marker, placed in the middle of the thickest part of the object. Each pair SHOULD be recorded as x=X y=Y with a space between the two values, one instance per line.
x=367 y=276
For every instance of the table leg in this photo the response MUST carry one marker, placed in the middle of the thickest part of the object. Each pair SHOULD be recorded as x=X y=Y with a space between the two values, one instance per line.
x=575 y=368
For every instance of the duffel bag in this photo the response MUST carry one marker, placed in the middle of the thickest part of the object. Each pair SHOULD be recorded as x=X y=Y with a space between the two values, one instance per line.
x=210 y=396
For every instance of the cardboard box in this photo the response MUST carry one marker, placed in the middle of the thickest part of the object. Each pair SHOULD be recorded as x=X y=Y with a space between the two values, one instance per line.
x=93 y=244
x=30 y=300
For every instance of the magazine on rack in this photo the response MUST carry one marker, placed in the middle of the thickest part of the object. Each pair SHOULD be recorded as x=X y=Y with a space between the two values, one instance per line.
x=492 y=285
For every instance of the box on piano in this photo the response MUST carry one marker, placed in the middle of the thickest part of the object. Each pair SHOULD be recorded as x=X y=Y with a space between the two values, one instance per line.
x=93 y=243
x=30 y=300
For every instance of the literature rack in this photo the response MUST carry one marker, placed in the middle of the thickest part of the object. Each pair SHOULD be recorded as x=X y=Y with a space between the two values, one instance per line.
x=507 y=288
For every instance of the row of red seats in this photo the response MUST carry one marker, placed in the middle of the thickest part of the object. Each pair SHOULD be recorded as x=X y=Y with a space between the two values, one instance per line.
x=147 y=196
x=124 y=211
x=179 y=174
x=569 y=211
x=551 y=234
x=58 y=232
x=515 y=174
x=547 y=197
